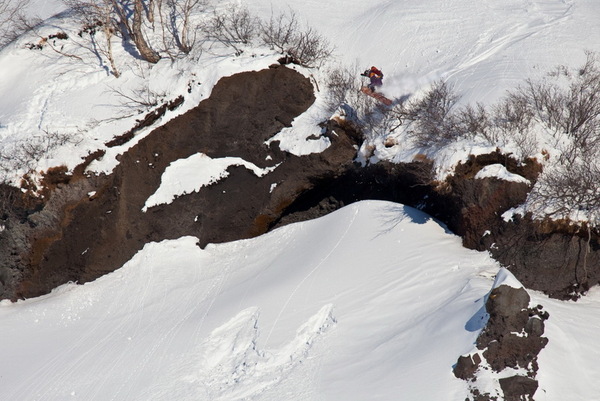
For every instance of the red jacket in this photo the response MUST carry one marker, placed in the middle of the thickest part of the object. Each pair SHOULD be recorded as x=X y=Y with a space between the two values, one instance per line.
x=374 y=72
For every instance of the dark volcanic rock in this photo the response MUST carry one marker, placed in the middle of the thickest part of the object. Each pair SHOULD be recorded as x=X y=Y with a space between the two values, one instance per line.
x=508 y=310
x=506 y=339
x=511 y=338
x=96 y=236
x=70 y=237
x=471 y=207
x=82 y=237
x=518 y=388
x=558 y=258
x=466 y=366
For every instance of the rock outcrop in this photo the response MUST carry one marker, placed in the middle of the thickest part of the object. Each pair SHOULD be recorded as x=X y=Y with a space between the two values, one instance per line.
x=507 y=347
x=70 y=236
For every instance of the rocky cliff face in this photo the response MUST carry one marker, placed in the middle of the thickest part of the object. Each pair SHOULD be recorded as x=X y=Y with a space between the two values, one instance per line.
x=84 y=237
x=71 y=236
x=557 y=257
x=507 y=347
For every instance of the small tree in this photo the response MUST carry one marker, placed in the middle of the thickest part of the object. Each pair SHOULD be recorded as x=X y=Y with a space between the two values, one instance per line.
x=136 y=33
x=114 y=17
x=97 y=17
x=303 y=47
x=13 y=21
x=235 y=27
x=176 y=21
x=430 y=119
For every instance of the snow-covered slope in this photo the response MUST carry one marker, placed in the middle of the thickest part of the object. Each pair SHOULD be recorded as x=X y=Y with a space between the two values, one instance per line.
x=371 y=302
x=375 y=301
x=483 y=47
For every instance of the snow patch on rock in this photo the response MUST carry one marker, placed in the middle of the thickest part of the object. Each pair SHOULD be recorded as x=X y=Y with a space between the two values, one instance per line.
x=185 y=176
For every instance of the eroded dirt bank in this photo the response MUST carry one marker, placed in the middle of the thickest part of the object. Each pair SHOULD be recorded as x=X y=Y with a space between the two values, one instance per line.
x=77 y=237
x=98 y=234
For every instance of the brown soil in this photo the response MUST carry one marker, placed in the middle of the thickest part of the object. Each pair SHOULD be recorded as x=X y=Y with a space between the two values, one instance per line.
x=559 y=258
x=69 y=236
x=97 y=235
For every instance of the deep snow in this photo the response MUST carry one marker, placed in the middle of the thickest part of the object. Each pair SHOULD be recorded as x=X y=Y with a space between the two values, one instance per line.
x=339 y=308
x=375 y=301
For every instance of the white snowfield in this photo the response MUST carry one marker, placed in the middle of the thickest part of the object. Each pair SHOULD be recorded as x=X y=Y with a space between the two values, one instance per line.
x=373 y=302
x=345 y=307
x=483 y=47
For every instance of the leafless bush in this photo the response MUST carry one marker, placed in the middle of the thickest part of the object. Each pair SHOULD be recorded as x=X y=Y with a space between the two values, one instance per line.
x=25 y=155
x=569 y=111
x=342 y=84
x=511 y=117
x=13 y=20
x=279 y=31
x=309 y=48
x=574 y=111
x=235 y=27
x=567 y=189
x=139 y=99
x=176 y=21
x=473 y=121
x=431 y=120
x=304 y=47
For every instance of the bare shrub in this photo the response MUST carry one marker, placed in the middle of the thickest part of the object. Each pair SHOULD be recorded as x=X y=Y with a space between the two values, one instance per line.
x=279 y=31
x=342 y=84
x=139 y=99
x=567 y=189
x=13 y=20
x=512 y=116
x=25 y=155
x=309 y=49
x=176 y=22
x=305 y=47
x=233 y=27
x=472 y=121
x=574 y=111
x=431 y=121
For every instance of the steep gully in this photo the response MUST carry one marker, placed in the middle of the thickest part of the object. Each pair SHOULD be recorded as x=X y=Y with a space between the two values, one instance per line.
x=72 y=236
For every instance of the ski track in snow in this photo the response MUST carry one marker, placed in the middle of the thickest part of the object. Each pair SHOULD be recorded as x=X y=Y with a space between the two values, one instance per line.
x=301 y=283
x=233 y=368
x=493 y=41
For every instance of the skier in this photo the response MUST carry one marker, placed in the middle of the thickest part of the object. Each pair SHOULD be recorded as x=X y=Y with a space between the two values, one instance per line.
x=376 y=77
